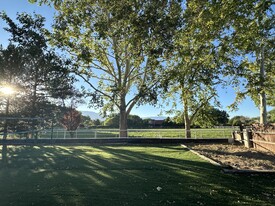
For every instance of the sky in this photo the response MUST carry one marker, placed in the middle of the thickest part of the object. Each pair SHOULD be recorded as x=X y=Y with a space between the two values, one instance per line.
x=226 y=95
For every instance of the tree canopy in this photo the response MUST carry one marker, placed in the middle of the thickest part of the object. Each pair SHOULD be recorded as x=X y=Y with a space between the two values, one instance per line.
x=35 y=71
x=134 y=121
x=130 y=53
x=211 y=116
x=195 y=66
x=248 y=34
x=117 y=47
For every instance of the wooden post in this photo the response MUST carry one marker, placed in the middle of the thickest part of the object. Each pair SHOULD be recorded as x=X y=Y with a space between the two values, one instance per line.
x=247 y=135
x=231 y=139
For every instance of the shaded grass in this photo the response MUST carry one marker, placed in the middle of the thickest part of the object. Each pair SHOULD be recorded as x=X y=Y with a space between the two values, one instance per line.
x=123 y=175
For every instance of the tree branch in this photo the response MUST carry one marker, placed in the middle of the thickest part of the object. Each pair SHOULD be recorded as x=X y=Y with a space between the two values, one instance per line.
x=201 y=106
x=92 y=86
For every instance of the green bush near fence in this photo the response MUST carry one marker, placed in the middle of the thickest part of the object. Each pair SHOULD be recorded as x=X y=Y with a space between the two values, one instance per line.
x=123 y=175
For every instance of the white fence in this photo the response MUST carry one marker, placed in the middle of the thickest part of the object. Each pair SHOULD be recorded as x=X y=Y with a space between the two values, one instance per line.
x=114 y=133
x=136 y=133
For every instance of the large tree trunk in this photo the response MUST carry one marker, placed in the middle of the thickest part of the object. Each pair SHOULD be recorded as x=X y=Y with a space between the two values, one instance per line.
x=263 y=113
x=187 y=126
x=123 y=126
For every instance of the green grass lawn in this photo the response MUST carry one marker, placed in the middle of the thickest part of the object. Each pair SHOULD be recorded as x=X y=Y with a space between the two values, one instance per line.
x=180 y=133
x=123 y=175
x=141 y=133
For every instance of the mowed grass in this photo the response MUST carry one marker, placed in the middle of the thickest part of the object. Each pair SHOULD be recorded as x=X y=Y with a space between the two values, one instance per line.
x=123 y=175
x=141 y=133
x=180 y=133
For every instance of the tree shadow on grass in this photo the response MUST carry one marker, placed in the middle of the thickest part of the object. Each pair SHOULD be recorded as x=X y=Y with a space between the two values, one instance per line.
x=4 y=155
x=122 y=175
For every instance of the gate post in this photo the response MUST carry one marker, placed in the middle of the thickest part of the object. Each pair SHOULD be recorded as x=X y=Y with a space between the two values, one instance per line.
x=231 y=139
x=247 y=136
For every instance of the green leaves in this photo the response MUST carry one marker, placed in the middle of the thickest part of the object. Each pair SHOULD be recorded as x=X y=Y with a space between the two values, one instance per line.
x=71 y=119
x=244 y=31
x=211 y=116
x=118 y=46
x=121 y=47
x=33 y=66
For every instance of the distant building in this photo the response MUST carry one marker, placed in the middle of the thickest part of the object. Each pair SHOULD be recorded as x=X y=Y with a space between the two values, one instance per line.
x=155 y=123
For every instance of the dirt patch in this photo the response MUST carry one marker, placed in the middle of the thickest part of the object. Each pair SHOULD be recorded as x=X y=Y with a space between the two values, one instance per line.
x=236 y=156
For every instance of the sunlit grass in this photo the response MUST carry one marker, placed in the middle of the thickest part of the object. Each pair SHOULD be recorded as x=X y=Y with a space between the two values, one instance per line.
x=123 y=175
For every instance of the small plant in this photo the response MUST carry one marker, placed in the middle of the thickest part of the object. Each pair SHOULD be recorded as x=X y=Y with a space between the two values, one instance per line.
x=71 y=121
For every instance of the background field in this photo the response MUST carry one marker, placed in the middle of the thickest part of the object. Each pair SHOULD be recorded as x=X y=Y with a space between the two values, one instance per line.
x=134 y=133
x=123 y=175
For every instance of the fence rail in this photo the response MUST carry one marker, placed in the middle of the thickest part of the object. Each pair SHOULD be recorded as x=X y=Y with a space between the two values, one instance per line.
x=114 y=133
x=262 y=140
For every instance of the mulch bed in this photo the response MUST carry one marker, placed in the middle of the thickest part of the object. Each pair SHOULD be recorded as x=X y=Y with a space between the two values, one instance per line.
x=237 y=156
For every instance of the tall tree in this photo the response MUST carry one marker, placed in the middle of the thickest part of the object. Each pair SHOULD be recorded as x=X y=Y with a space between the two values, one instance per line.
x=195 y=65
x=44 y=73
x=117 y=47
x=253 y=34
x=11 y=69
x=36 y=70
x=249 y=33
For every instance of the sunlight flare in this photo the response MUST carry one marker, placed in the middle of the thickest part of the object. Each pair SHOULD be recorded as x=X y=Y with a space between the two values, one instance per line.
x=7 y=90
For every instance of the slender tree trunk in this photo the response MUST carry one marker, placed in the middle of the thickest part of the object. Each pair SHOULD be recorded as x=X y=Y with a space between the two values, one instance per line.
x=187 y=121
x=5 y=129
x=34 y=108
x=123 y=126
x=263 y=113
